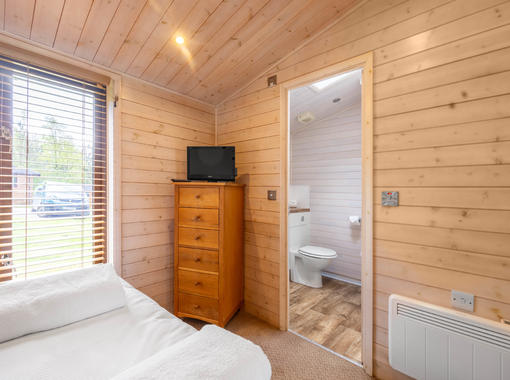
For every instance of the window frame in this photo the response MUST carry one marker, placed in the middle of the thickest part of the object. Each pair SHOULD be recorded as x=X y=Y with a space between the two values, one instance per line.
x=61 y=63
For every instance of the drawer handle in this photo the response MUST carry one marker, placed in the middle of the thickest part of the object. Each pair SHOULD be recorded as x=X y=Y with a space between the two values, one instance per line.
x=197 y=237
x=197 y=196
x=196 y=306
x=197 y=260
x=198 y=283
x=196 y=218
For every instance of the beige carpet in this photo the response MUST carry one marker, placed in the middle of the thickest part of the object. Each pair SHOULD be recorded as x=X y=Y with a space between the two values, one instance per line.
x=291 y=357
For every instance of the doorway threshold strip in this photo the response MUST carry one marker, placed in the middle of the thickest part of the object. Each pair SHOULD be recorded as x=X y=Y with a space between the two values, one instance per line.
x=327 y=349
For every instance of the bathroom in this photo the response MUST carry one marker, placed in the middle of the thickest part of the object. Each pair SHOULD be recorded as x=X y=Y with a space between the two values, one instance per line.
x=325 y=208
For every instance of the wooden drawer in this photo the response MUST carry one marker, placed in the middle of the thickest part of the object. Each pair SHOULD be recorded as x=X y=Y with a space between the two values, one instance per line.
x=199 y=197
x=199 y=306
x=203 y=284
x=198 y=217
x=200 y=238
x=198 y=259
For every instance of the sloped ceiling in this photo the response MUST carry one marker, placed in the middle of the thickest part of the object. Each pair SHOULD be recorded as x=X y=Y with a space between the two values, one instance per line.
x=226 y=43
x=347 y=91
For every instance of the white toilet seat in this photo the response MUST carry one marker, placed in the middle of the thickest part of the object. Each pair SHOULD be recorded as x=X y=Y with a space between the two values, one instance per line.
x=317 y=252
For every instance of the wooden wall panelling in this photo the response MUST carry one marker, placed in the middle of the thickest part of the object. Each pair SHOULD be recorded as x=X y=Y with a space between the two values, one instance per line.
x=156 y=128
x=441 y=105
x=440 y=137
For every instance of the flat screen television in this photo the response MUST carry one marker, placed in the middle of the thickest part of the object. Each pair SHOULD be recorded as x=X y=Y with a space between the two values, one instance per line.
x=211 y=163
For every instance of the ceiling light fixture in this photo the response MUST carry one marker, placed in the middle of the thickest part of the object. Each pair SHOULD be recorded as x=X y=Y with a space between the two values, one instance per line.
x=179 y=40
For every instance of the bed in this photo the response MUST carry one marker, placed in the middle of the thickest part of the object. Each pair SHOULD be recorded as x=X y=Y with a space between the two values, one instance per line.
x=47 y=336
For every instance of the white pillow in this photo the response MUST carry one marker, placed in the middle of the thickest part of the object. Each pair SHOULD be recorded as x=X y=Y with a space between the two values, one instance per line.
x=53 y=301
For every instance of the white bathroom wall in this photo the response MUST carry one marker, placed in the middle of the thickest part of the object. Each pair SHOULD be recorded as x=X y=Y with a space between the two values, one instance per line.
x=300 y=194
x=326 y=155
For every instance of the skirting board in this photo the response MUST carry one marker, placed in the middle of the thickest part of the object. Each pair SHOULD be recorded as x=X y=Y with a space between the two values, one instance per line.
x=342 y=278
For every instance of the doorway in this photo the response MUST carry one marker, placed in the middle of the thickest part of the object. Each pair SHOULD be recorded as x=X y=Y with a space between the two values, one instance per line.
x=326 y=208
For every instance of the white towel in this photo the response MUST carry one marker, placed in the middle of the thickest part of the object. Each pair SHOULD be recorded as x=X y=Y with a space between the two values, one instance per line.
x=212 y=353
x=56 y=300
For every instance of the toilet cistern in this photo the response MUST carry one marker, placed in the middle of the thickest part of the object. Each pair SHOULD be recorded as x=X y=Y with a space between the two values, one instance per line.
x=306 y=261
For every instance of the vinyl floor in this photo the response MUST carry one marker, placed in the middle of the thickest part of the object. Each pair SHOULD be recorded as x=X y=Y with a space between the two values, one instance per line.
x=330 y=316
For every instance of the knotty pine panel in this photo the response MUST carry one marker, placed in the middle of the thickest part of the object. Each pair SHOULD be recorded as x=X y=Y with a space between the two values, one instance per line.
x=157 y=126
x=441 y=138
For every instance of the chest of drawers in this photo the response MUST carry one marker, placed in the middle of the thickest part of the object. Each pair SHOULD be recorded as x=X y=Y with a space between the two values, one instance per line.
x=208 y=250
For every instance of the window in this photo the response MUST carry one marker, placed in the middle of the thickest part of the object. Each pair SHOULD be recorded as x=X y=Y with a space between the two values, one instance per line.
x=53 y=171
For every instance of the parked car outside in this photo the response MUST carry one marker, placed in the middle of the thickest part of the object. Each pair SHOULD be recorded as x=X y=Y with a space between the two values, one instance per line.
x=60 y=199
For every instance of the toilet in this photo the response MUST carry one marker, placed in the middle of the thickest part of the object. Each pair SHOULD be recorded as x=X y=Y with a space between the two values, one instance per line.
x=306 y=261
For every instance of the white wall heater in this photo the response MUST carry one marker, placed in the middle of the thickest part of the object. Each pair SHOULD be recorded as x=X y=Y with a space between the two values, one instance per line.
x=434 y=343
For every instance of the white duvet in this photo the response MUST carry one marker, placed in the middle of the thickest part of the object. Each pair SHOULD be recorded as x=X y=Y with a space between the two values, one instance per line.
x=212 y=353
x=96 y=348
x=119 y=342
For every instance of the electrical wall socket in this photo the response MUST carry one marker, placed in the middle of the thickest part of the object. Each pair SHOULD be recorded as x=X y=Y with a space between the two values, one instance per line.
x=464 y=301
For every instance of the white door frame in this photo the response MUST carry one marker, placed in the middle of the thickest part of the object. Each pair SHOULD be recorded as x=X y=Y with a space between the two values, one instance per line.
x=364 y=62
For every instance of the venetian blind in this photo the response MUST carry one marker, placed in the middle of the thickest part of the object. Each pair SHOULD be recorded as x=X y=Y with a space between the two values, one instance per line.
x=53 y=171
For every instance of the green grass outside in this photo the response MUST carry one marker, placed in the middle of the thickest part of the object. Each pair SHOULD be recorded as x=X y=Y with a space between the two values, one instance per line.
x=69 y=233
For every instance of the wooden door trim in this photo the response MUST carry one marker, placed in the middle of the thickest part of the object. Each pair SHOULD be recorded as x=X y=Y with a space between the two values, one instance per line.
x=364 y=62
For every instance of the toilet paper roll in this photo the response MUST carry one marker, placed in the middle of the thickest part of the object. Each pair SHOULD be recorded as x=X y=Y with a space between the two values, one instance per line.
x=355 y=220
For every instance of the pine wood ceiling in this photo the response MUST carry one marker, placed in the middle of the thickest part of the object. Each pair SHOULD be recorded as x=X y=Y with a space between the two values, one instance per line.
x=227 y=43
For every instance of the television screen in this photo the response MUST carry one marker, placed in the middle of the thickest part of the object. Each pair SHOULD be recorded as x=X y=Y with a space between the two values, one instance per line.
x=211 y=163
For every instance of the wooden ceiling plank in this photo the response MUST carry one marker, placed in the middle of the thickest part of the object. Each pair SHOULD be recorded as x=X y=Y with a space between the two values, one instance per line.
x=203 y=35
x=149 y=18
x=237 y=41
x=95 y=27
x=46 y=20
x=276 y=21
x=72 y=20
x=307 y=23
x=160 y=35
x=371 y=18
x=121 y=25
x=227 y=42
x=249 y=9
x=193 y=21
x=18 y=17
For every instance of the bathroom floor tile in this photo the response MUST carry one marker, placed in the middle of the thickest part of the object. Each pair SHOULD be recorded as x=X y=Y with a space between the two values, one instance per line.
x=330 y=316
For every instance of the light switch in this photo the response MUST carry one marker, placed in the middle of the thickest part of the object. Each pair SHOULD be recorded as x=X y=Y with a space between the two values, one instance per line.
x=389 y=198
